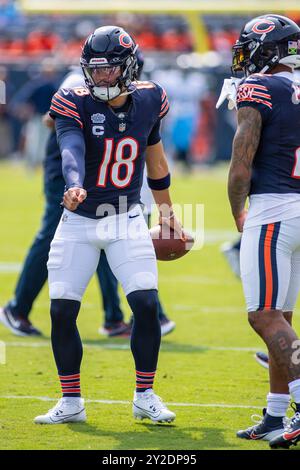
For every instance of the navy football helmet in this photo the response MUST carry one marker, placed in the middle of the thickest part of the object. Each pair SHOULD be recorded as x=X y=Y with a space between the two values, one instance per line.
x=110 y=49
x=264 y=42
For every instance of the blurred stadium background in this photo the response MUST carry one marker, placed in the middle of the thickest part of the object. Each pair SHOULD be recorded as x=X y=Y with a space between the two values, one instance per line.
x=187 y=47
x=188 y=50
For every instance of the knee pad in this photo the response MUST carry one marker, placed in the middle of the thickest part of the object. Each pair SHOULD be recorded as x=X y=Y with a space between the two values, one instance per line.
x=141 y=281
x=63 y=291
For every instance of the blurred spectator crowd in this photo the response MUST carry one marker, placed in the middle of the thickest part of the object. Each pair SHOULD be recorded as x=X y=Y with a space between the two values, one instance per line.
x=23 y=35
x=36 y=51
x=188 y=130
x=62 y=35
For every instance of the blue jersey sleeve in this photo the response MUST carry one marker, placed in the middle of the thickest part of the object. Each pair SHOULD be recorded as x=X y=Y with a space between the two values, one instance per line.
x=72 y=148
x=63 y=105
x=254 y=92
x=154 y=136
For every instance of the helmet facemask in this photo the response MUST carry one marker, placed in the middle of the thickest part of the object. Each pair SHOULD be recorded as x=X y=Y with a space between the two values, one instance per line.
x=257 y=56
x=253 y=57
x=113 y=84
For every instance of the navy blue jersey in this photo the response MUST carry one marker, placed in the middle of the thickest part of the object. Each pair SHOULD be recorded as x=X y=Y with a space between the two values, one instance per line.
x=276 y=165
x=115 y=141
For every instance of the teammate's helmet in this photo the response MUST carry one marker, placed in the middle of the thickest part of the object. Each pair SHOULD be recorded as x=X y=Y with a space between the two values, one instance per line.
x=112 y=49
x=264 y=42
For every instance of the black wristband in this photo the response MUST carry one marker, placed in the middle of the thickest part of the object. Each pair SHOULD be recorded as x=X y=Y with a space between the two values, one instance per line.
x=159 y=185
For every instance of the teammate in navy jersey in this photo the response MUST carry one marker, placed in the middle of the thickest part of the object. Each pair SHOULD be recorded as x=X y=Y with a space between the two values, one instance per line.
x=265 y=166
x=106 y=132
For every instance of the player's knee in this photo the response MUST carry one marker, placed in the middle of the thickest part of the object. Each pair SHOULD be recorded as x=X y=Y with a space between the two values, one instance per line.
x=141 y=281
x=254 y=321
x=150 y=302
x=63 y=310
x=262 y=320
x=144 y=302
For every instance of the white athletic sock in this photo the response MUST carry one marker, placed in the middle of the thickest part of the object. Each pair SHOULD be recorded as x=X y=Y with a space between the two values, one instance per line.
x=278 y=404
x=294 y=388
x=71 y=400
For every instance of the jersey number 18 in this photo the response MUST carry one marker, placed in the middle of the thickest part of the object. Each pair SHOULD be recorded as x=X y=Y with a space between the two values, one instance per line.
x=115 y=152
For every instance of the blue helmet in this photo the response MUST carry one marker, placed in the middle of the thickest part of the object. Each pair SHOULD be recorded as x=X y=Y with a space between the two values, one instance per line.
x=264 y=42
x=109 y=47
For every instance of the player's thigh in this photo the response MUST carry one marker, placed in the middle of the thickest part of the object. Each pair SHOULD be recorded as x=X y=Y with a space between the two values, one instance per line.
x=265 y=267
x=73 y=259
x=133 y=261
x=294 y=284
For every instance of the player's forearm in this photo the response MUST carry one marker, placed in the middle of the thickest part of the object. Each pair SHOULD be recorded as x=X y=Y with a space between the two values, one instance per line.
x=163 y=201
x=73 y=167
x=159 y=178
x=72 y=148
x=245 y=144
x=239 y=181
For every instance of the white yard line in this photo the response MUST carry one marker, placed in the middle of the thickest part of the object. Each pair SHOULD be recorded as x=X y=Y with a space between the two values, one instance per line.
x=10 y=267
x=200 y=280
x=208 y=309
x=165 y=346
x=122 y=402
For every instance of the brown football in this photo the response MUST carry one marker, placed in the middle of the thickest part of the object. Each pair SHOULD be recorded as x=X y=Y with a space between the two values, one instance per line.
x=167 y=244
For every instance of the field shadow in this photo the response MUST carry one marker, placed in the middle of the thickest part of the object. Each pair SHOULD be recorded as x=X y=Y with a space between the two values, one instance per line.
x=167 y=437
x=119 y=343
x=124 y=344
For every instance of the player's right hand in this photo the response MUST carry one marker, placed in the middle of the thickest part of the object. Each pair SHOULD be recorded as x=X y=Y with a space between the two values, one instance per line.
x=240 y=220
x=174 y=224
x=73 y=197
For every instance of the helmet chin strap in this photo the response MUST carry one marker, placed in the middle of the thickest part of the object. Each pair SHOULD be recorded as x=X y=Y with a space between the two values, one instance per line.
x=128 y=92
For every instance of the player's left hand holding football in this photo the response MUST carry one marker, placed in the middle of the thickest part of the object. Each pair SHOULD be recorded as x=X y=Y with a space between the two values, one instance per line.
x=73 y=197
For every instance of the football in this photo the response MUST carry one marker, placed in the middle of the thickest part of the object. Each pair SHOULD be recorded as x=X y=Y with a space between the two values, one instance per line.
x=167 y=244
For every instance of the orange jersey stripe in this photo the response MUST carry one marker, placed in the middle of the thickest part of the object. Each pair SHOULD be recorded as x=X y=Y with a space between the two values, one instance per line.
x=164 y=111
x=65 y=108
x=64 y=100
x=60 y=111
x=268 y=266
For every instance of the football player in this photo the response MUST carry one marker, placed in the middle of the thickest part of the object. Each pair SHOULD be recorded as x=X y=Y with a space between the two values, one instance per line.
x=265 y=166
x=106 y=132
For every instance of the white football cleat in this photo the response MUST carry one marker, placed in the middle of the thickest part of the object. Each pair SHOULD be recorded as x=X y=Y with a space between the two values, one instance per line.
x=149 y=405
x=67 y=410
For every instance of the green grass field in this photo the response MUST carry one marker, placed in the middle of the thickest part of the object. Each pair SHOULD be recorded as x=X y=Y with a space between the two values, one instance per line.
x=206 y=370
